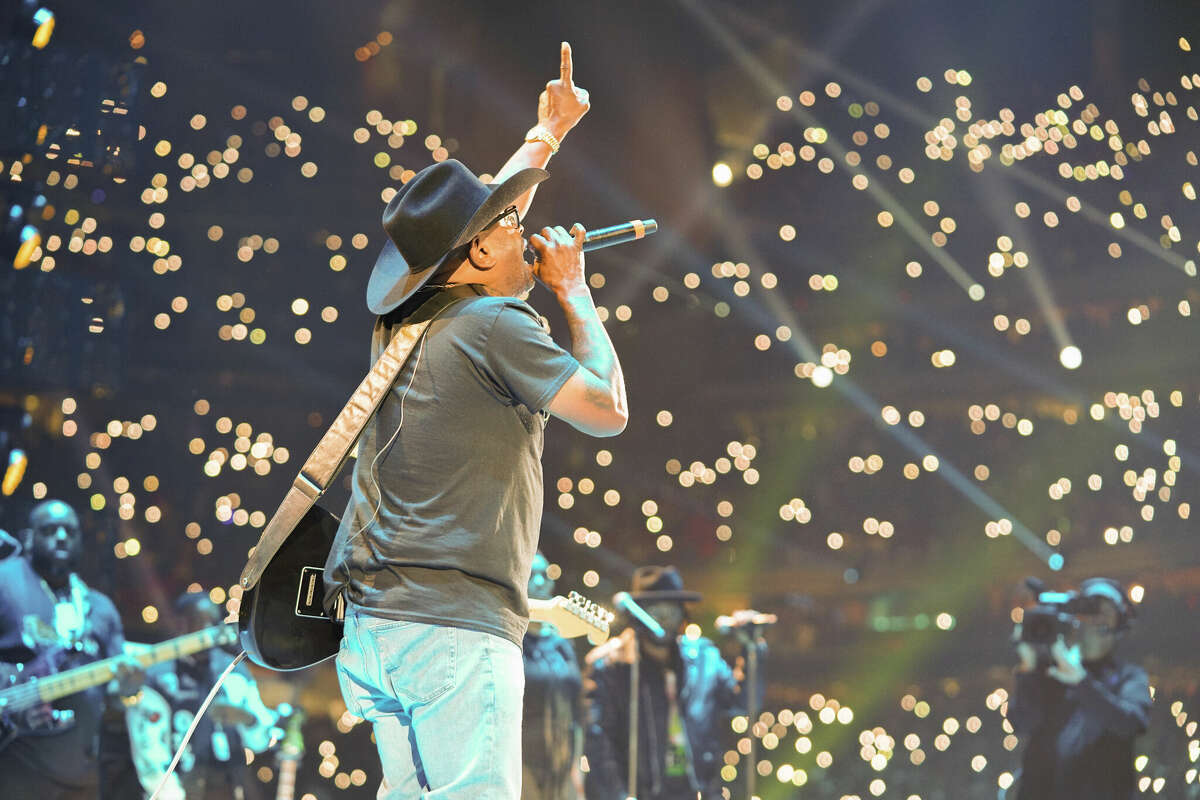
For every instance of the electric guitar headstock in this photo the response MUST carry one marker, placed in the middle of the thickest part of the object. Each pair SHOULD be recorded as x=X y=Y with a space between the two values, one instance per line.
x=573 y=615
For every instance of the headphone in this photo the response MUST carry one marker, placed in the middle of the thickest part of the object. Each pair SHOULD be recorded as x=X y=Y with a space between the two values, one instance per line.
x=1112 y=591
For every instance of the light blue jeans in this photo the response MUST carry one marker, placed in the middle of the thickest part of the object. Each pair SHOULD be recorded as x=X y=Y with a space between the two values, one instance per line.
x=445 y=704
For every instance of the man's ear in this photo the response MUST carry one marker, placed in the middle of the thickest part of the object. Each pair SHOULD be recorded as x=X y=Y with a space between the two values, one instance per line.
x=25 y=537
x=480 y=255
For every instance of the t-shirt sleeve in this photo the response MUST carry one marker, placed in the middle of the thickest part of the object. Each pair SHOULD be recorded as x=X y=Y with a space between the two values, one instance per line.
x=523 y=361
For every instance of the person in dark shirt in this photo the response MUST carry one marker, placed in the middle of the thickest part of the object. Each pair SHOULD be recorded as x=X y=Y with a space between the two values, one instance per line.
x=213 y=766
x=552 y=718
x=687 y=695
x=432 y=558
x=47 y=612
x=1080 y=713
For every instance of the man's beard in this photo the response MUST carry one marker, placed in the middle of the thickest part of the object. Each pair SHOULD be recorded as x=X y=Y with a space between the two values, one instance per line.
x=53 y=567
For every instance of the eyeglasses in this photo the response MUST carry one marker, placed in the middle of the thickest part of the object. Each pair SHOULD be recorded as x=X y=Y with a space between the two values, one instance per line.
x=509 y=218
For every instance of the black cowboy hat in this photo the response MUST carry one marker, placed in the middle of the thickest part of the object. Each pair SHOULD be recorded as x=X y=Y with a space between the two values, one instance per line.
x=441 y=208
x=660 y=583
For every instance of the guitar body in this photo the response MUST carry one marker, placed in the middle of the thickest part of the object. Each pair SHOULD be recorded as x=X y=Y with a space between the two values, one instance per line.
x=281 y=623
x=283 y=626
x=39 y=719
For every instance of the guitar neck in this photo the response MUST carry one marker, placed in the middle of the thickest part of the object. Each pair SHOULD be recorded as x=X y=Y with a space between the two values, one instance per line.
x=73 y=681
x=287 y=779
x=572 y=616
x=290 y=753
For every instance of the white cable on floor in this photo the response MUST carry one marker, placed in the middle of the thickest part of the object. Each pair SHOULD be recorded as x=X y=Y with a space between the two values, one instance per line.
x=187 y=737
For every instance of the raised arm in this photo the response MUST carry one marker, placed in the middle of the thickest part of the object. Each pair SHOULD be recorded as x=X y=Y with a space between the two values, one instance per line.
x=593 y=399
x=560 y=107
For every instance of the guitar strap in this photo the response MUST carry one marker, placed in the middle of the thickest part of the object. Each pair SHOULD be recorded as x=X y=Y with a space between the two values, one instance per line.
x=334 y=448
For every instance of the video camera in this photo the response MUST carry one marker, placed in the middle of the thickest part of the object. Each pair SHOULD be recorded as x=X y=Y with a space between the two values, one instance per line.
x=1056 y=614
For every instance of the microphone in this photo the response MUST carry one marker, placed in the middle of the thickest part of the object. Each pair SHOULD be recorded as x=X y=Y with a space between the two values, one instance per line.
x=625 y=601
x=619 y=234
x=726 y=624
x=606 y=237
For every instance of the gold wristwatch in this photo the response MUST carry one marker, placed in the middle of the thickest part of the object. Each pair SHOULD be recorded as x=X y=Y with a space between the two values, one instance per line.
x=540 y=133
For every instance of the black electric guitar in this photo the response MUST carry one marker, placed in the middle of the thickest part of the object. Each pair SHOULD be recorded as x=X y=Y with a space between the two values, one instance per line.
x=283 y=625
x=32 y=687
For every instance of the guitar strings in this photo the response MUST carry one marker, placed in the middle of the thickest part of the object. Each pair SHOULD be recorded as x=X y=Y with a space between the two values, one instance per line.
x=29 y=693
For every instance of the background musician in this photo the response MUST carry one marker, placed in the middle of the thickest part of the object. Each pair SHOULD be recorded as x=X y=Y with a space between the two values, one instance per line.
x=50 y=620
x=214 y=765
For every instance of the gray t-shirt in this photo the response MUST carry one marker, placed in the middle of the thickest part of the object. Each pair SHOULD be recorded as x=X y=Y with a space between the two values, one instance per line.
x=459 y=491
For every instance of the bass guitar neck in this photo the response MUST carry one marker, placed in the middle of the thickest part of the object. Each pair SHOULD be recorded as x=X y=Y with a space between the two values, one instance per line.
x=49 y=688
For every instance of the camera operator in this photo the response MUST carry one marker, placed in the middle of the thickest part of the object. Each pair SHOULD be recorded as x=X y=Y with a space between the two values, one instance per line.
x=1078 y=708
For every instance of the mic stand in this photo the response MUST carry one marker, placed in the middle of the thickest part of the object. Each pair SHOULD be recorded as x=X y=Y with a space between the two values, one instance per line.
x=634 y=681
x=752 y=710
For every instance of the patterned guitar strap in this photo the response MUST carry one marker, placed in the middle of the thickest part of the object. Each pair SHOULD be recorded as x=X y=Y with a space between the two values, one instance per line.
x=334 y=448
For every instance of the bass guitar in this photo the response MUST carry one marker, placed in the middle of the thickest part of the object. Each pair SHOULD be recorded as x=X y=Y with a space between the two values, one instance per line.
x=282 y=622
x=25 y=706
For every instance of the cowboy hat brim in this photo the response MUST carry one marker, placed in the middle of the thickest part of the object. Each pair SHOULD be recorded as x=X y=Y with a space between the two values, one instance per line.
x=393 y=280
x=672 y=595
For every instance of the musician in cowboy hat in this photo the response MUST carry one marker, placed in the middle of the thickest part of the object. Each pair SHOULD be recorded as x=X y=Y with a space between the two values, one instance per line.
x=434 y=550
x=687 y=693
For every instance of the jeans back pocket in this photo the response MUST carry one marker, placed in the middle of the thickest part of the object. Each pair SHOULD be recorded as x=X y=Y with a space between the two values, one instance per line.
x=417 y=659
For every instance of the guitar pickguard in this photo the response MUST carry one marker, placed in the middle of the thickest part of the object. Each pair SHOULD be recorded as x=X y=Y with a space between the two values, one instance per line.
x=281 y=622
x=310 y=593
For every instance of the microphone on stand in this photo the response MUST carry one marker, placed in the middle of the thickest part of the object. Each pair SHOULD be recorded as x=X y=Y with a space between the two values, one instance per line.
x=727 y=624
x=606 y=237
x=625 y=600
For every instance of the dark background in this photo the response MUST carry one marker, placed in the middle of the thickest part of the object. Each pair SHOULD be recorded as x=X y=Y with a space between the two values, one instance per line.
x=675 y=87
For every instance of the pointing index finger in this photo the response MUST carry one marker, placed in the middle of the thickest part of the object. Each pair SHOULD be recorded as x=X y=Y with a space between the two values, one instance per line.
x=565 y=70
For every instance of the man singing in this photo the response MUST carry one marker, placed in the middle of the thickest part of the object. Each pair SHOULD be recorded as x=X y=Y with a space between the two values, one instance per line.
x=686 y=693
x=434 y=550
